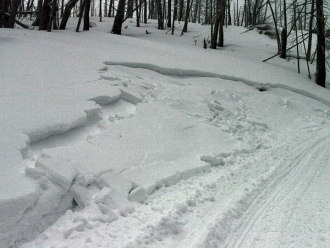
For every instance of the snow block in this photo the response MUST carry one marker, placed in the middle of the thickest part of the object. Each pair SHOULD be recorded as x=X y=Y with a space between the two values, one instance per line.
x=85 y=180
x=189 y=173
x=139 y=195
x=114 y=200
x=57 y=170
x=81 y=195
x=115 y=181
x=129 y=96
x=34 y=173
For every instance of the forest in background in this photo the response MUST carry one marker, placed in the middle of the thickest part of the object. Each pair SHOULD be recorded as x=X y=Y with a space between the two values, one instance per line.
x=291 y=23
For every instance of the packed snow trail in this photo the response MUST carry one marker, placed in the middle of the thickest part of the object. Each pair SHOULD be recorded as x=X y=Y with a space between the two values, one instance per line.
x=292 y=210
x=296 y=213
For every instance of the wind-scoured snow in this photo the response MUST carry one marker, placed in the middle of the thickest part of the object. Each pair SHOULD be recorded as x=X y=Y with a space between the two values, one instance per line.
x=152 y=141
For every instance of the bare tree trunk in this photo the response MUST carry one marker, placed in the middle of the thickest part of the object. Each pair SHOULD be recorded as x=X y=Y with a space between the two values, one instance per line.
x=206 y=12
x=222 y=18
x=320 y=48
x=62 y=8
x=13 y=12
x=45 y=15
x=49 y=28
x=284 y=33
x=169 y=12
x=185 y=26
x=105 y=12
x=137 y=14
x=81 y=11
x=180 y=11
x=310 y=35
x=175 y=12
x=130 y=8
x=295 y=6
x=100 y=11
x=214 y=36
x=118 y=22
x=145 y=12
x=276 y=29
x=160 y=15
x=4 y=8
x=86 y=14
x=229 y=14
x=1 y=14
x=67 y=13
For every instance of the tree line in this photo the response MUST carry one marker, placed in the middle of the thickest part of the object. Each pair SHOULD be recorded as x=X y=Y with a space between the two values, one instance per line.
x=293 y=23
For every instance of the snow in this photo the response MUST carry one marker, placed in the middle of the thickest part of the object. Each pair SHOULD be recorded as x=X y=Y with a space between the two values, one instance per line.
x=152 y=141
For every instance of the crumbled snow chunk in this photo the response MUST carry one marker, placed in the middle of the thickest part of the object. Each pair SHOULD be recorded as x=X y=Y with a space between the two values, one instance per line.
x=191 y=202
x=181 y=208
x=114 y=200
x=115 y=181
x=78 y=227
x=139 y=195
x=213 y=161
x=111 y=215
x=172 y=180
x=57 y=170
x=43 y=182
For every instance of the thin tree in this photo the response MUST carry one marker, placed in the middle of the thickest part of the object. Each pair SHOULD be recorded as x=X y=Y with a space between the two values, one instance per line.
x=81 y=11
x=309 y=46
x=320 y=47
x=229 y=13
x=175 y=13
x=214 y=35
x=86 y=14
x=185 y=26
x=284 y=33
x=160 y=14
x=275 y=24
x=221 y=24
x=100 y=11
x=137 y=14
x=169 y=12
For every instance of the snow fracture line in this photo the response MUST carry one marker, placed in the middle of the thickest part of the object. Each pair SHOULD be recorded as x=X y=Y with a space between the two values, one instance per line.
x=197 y=73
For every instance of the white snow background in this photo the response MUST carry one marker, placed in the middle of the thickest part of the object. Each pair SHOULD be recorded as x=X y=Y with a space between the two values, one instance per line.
x=149 y=140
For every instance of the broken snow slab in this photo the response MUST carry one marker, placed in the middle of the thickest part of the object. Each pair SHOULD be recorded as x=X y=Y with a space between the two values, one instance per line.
x=58 y=170
x=91 y=162
x=115 y=181
x=101 y=92
x=159 y=174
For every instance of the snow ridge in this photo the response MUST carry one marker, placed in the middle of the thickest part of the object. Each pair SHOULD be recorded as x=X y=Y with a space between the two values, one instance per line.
x=196 y=73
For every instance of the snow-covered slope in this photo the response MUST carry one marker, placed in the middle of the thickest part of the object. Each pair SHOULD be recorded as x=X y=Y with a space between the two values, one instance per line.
x=150 y=140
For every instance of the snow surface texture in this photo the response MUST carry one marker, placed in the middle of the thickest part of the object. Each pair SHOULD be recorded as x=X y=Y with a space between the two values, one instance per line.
x=165 y=153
